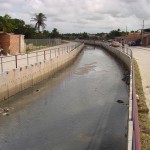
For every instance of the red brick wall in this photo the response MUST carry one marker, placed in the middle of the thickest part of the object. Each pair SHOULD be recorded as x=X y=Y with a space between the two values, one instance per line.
x=10 y=42
x=14 y=44
x=4 y=41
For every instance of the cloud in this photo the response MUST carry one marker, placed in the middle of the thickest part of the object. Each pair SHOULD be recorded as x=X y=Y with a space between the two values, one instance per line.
x=82 y=15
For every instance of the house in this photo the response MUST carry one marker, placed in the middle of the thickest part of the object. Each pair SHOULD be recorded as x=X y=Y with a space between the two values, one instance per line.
x=146 y=37
x=130 y=37
x=12 y=43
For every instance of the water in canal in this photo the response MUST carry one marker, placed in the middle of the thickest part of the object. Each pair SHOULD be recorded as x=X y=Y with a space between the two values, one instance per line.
x=75 y=110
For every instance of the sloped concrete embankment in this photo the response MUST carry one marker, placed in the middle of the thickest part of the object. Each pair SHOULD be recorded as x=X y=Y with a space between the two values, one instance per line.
x=16 y=80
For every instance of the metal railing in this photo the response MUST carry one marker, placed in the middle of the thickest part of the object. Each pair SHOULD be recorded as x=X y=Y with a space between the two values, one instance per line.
x=11 y=62
x=135 y=134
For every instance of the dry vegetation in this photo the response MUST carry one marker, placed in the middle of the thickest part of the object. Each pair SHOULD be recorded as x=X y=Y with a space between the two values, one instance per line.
x=144 y=119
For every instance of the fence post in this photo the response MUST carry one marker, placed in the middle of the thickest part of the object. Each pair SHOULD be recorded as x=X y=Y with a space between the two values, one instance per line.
x=55 y=52
x=44 y=56
x=27 y=59
x=1 y=65
x=58 y=51
x=36 y=57
x=16 y=61
x=50 y=53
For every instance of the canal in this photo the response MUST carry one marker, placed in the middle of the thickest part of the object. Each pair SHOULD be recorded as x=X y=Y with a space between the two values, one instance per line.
x=77 y=109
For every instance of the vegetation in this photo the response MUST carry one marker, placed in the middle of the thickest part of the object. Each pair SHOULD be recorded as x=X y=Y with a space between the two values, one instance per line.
x=6 y=24
x=40 y=19
x=144 y=119
x=115 y=33
x=18 y=26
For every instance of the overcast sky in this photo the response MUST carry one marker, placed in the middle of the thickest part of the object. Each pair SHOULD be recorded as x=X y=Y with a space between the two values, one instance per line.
x=74 y=16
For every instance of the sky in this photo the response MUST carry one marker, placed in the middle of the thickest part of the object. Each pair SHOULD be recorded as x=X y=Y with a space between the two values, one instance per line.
x=75 y=16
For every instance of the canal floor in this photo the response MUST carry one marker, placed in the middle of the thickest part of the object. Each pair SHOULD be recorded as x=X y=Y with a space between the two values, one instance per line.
x=77 y=109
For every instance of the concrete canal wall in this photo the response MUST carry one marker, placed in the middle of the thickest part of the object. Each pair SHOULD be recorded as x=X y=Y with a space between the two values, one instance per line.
x=16 y=80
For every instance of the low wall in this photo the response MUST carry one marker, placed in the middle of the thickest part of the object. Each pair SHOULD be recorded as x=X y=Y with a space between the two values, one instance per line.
x=16 y=80
x=126 y=59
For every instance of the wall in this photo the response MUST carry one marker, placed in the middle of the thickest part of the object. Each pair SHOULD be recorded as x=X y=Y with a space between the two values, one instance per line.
x=17 y=80
x=13 y=43
x=4 y=41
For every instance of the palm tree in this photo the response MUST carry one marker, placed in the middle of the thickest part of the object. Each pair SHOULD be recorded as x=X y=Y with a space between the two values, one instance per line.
x=40 y=19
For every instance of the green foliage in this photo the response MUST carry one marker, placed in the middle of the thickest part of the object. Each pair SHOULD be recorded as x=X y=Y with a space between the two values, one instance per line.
x=54 y=33
x=28 y=50
x=116 y=33
x=6 y=23
x=40 y=19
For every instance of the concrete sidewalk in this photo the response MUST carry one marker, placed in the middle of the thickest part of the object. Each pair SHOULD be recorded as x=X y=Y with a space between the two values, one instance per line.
x=142 y=56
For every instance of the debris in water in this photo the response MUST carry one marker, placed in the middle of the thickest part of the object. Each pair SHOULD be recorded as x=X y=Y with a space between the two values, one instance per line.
x=120 y=101
x=126 y=77
x=5 y=114
x=37 y=90
x=6 y=109
x=1 y=110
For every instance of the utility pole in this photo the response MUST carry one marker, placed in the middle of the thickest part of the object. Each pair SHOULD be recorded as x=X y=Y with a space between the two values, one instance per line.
x=142 y=33
x=126 y=30
x=126 y=35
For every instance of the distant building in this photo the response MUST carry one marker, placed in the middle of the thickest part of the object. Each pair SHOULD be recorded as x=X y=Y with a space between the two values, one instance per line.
x=145 y=37
x=130 y=37
x=11 y=43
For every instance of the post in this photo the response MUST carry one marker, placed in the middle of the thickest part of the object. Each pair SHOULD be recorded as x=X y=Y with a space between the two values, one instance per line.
x=44 y=56
x=142 y=33
x=1 y=64
x=55 y=52
x=36 y=57
x=16 y=61
x=58 y=51
x=27 y=59
x=50 y=53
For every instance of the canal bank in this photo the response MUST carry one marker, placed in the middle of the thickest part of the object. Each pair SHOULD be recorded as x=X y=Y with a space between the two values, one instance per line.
x=125 y=55
x=73 y=110
x=19 y=79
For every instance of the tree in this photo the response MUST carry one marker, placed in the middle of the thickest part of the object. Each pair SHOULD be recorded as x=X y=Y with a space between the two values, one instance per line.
x=40 y=19
x=55 y=33
x=5 y=23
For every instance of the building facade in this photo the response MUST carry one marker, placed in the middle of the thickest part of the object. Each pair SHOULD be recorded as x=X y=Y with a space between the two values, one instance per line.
x=11 y=43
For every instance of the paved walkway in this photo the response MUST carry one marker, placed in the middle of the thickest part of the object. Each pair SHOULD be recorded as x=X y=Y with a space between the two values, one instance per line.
x=142 y=56
x=9 y=63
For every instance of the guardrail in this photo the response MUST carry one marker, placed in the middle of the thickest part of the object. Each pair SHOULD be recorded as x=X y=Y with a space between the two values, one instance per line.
x=10 y=62
x=133 y=123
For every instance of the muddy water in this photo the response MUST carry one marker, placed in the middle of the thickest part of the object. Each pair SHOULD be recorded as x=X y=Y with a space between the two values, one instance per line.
x=75 y=110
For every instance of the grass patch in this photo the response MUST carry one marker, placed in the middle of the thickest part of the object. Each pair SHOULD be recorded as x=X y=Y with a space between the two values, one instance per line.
x=144 y=119
x=38 y=44
x=28 y=50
